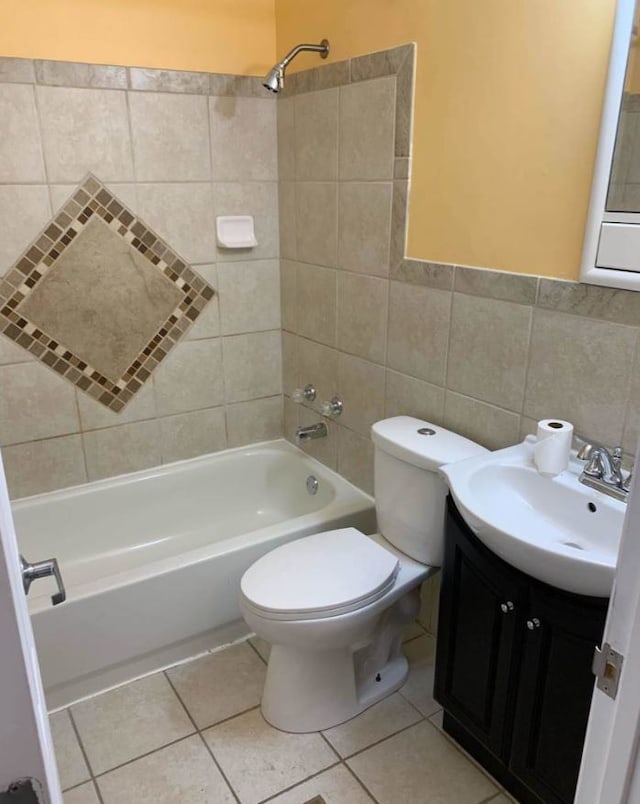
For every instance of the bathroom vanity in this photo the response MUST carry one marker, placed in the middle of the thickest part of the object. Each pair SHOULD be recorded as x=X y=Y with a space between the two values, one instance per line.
x=513 y=667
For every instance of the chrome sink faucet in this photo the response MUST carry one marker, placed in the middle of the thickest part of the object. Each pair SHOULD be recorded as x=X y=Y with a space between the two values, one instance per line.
x=603 y=471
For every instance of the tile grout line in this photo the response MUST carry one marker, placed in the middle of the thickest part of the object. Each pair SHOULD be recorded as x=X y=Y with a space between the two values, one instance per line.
x=291 y=787
x=199 y=733
x=84 y=754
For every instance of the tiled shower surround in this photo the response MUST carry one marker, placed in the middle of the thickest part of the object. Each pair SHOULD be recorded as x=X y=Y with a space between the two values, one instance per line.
x=484 y=352
x=177 y=149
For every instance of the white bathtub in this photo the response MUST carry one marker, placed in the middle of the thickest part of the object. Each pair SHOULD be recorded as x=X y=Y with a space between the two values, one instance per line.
x=152 y=560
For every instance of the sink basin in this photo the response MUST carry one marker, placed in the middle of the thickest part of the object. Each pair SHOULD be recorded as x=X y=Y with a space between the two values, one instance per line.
x=555 y=529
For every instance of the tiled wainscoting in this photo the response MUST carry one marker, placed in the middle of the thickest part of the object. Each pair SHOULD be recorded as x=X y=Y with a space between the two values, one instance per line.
x=194 y=734
x=485 y=353
x=178 y=149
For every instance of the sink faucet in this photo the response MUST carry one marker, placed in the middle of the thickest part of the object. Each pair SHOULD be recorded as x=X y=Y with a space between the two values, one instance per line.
x=304 y=434
x=603 y=471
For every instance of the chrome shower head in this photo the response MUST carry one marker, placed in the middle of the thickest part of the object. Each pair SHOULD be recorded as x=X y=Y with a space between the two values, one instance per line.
x=274 y=79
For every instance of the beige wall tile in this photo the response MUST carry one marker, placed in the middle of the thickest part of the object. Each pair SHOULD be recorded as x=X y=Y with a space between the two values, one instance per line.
x=129 y=721
x=632 y=417
x=325 y=449
x=316 y=135
x=290 y=419
x=259 y=199
x=496 y=284
x=362 y=316
x=286 y=139
x=367 y=120
x=492 y=427
x=20 y=148
x=425 y=765
x=355 y=459
x=207 y=324
x=252 y=365
x=318 y=365
x=188 y=435
x=316 y=222
x=289 y=363
x=122 y=449
x=182 y=214
x=182 y=772
x=170 y=136
x=257 y=420
x=24 y=211
x=249 y=296
x=85 y=130
x=94 y=415
x=78 y=74
x=406 y=396
x=125 y=191
x=39 y=466
x=181 y=81
x=15 y=70
x=190 y=378
x=10 y=352
x=418 y=331
x=71 y=763
x=580 y=371
x=316 y=292
x=488 y=349
x=243 y=139
x=260 y=761
x=35 y=403
x=361 y=386
x=288 y=291
x=287 y=204
x=364 y=227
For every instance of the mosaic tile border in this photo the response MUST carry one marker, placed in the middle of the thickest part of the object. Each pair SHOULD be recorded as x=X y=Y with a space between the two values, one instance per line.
x=141 y=79
x=93 y=198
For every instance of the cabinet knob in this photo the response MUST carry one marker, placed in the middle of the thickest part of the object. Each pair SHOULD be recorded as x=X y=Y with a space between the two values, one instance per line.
x=533 y=623
x=507 y=607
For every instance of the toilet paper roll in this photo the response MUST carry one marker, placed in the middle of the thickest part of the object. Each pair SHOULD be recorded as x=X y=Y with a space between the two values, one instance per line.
x=552 y=449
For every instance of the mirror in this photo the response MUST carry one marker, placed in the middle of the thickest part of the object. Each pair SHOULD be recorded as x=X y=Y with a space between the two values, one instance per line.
x=611 y=251
x=624 y=182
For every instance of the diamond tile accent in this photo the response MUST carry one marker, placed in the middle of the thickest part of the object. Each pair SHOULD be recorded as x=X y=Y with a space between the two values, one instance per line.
x=99 y=297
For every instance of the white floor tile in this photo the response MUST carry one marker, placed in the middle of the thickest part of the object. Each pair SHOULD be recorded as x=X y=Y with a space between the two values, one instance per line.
x=183 y=772
x=129 y=721
x=418 y=688
x=336 y=786
x=262 y=646
x=72 y=767
x=221 y=685
x=385 y=718
x=85 y=794
x=260 y=761
x=420 y=765
x=412 y=631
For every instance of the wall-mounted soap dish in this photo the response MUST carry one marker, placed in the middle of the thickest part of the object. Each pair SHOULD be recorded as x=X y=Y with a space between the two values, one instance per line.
x=235 y=231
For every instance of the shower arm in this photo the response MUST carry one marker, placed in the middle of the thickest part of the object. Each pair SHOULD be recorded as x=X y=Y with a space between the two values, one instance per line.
x=322 y=48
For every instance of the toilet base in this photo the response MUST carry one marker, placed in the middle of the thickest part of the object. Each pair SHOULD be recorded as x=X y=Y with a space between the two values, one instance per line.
x=311 y=690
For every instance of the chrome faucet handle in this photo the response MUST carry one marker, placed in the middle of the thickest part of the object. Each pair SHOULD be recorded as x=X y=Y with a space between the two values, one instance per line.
x=584 y=453
x=626 y=483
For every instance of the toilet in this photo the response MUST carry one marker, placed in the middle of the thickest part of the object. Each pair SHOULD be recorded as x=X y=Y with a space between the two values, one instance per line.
x=333 y=604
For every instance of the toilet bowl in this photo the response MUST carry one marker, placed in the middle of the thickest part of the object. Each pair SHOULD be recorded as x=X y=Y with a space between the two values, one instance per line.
x=333 y=604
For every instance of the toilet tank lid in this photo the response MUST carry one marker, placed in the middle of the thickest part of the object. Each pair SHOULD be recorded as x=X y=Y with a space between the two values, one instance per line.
x=421 y=443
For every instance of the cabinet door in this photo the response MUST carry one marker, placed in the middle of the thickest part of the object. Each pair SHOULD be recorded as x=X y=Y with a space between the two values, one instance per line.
x=479 y=603
x=554 y=691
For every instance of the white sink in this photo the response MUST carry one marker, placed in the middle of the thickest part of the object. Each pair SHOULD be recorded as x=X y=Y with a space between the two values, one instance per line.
x=554 y=529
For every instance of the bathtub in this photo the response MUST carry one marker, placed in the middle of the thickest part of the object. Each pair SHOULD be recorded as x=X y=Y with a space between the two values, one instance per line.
x=152 y=560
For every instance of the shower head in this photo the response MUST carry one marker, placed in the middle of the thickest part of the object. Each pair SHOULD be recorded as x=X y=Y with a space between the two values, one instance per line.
x=274 y=79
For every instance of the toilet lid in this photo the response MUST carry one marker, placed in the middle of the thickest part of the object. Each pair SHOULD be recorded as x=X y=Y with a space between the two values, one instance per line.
x=320 y=575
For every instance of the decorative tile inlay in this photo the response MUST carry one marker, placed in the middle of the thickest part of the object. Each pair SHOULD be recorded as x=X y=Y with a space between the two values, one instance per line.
x=100 y=298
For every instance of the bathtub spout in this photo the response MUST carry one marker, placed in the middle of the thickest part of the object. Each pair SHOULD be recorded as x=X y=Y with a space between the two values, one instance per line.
x=304 y=434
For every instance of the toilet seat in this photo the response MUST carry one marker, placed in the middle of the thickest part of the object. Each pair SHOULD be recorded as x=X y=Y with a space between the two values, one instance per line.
x=322 y=575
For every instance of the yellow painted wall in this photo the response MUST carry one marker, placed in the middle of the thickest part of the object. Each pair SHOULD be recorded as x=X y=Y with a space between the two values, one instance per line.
x=508 y=103
x=227 y=36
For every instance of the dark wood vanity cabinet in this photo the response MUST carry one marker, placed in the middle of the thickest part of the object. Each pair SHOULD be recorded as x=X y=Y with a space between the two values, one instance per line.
x=513 y=668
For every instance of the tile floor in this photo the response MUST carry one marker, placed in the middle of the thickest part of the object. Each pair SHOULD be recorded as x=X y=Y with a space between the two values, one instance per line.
x=194 y=735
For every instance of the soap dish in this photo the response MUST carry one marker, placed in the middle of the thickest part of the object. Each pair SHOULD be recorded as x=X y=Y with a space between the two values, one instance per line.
x=235 y=231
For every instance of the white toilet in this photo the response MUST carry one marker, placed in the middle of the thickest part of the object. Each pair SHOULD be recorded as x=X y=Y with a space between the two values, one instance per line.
x=333 y=605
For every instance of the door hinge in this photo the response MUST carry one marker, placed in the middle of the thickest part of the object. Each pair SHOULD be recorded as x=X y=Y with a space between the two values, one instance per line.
x=607 y=666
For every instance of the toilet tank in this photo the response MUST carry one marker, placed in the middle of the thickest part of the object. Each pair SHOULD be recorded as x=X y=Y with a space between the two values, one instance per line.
x=410 y=494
